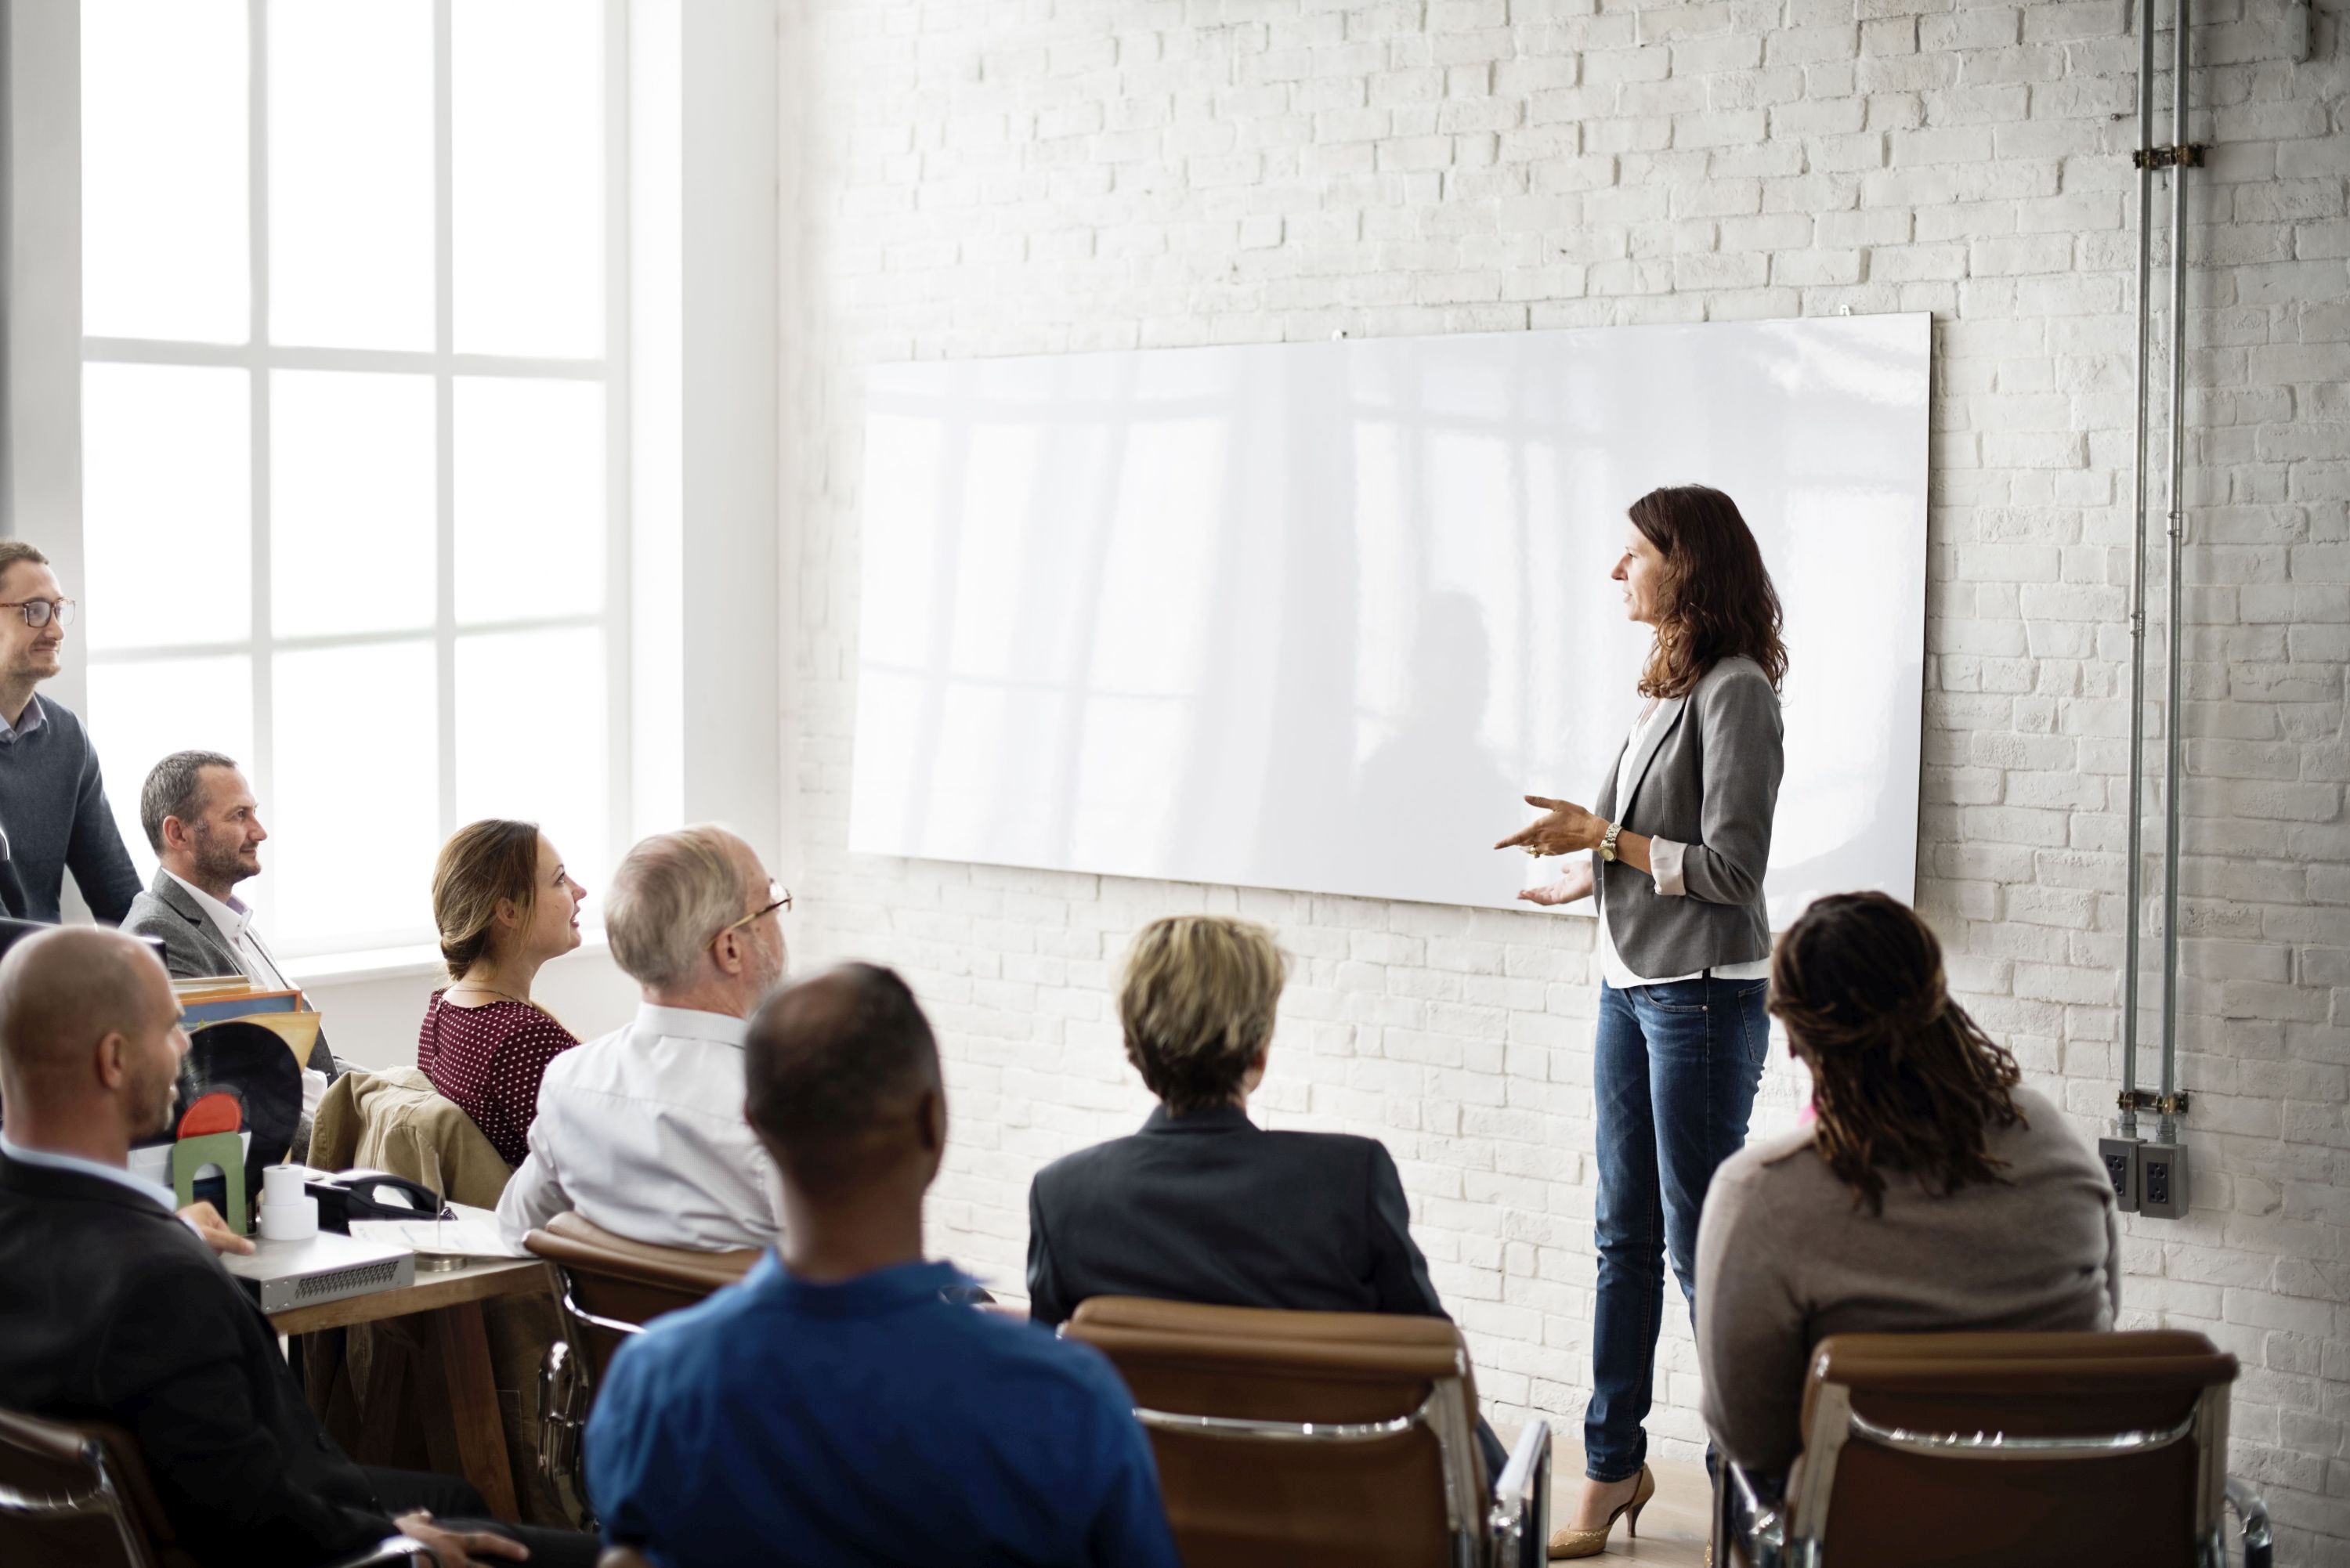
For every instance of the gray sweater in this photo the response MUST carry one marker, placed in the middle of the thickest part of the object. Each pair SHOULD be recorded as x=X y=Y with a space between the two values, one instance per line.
x=53 y=809
x=1784 y=1261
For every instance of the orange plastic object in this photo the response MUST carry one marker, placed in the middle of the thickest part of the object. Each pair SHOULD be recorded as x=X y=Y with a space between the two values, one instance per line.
x=218 y=1112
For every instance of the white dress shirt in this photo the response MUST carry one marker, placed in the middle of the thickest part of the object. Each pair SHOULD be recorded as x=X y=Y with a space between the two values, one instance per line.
x=233 y=921
x=1665 y=858
x=641 y=1133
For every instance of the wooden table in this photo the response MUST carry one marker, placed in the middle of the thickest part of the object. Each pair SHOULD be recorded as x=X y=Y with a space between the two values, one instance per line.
x=460 y=1391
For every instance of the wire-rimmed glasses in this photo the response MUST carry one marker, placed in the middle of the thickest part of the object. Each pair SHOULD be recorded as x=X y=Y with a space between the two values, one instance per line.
x=778 y=898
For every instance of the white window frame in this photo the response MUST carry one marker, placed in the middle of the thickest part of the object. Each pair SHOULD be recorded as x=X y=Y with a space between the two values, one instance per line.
x=259 y=358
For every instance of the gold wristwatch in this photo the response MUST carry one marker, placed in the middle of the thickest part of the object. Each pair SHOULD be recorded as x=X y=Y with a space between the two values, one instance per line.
x=1608 y=845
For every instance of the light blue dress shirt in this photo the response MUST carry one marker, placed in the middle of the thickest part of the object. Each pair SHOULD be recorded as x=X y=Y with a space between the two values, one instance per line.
x=74 y=1162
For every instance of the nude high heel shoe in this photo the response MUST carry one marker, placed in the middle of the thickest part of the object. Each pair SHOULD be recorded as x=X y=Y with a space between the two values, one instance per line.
x=1565 y=1542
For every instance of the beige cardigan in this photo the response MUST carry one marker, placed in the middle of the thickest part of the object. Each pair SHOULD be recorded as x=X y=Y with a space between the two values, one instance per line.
x=1784 y=1260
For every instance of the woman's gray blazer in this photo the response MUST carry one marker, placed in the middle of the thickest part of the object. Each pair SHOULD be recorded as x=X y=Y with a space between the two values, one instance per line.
x=1706 y=775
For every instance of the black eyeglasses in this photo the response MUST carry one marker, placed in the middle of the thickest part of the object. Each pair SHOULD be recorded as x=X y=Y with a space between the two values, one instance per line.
x=778 y=898
x=38 y=613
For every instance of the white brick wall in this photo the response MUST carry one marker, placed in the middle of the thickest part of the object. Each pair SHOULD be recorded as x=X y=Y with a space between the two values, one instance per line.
x=1042 y=175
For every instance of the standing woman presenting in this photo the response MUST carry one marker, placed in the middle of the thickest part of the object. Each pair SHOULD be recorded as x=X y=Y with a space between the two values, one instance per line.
x=1680 y=838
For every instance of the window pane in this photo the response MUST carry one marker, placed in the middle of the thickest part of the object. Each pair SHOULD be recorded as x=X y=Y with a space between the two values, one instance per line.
x=352 y=503
x=163 y=170
x=141 y=713
x=528 y=145
x=350 y=174
x=359 y=797
x=541 y=760
x=167 y=463
x=530 y=498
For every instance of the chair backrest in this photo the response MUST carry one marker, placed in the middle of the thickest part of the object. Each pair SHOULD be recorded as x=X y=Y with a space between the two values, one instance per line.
x=2013 y=1449
x=75 y=1496
x=610 y=1287
x=1299 y=1438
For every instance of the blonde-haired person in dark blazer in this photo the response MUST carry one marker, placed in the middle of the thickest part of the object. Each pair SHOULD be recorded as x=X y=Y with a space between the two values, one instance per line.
x=1933 y=1193
x=1203 y=1205
x=1678 y=840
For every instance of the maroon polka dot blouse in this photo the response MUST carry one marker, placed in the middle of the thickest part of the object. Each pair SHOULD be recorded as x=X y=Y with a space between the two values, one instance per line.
x=489 y=1060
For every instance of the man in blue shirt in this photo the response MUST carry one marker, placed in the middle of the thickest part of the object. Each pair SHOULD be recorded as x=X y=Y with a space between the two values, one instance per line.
x=833 y=1409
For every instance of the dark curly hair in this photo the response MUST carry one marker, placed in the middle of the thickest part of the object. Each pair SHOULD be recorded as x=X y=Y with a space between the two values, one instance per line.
x=1716 y=600
x=1902 y=1079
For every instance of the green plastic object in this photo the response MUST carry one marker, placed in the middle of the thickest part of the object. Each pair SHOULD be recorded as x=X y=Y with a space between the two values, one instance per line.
x=226 y=1150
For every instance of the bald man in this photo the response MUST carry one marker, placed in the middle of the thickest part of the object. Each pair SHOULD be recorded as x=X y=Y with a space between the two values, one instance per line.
x=99 y=997
x=111 y=1311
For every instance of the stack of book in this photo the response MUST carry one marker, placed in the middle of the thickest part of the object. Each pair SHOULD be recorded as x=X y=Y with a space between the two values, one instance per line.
x=225 y=998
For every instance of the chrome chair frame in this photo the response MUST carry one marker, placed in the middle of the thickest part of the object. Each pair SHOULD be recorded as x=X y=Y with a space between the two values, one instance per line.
x=103 y=1497
x=1793 y=1534
x=564 y=1387
x=1493 y=1534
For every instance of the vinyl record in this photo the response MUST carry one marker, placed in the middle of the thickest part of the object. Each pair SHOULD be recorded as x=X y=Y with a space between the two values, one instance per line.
x=256 y=1066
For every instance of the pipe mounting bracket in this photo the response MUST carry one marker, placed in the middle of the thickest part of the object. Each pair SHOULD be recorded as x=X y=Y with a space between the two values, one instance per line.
x=2185 y=155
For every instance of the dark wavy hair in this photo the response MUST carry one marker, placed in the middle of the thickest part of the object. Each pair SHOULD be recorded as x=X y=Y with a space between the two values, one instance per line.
x=1716 y=600
x=1902 y=1079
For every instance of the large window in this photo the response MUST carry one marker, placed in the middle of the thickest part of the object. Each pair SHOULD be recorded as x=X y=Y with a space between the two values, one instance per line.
x=351 y=429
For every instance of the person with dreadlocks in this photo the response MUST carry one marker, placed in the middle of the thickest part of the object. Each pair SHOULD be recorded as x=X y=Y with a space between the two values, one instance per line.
x=1931 y=1193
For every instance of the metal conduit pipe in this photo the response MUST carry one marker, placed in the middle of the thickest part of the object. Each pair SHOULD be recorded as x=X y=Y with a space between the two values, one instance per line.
x=2182 y=161
x=2136 y=900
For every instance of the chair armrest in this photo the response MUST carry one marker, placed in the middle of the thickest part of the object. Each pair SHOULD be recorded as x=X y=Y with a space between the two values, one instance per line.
x=1757 y=1528
x=1519 y=1525
x=2252 y=1517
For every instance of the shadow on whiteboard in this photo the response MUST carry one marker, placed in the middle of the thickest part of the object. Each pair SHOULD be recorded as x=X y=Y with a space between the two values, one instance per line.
x=1316 y=616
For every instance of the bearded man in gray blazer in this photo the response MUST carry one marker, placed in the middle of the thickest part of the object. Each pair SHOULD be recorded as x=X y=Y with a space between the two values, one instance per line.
x=205 y=829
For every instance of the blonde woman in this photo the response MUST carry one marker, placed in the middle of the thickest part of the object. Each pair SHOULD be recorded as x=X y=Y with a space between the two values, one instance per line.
x=1203 y=1205
x=504 y=905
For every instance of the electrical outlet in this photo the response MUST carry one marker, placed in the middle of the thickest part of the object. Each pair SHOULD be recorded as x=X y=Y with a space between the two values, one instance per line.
x=2162 y=1180
x=2121 y=1156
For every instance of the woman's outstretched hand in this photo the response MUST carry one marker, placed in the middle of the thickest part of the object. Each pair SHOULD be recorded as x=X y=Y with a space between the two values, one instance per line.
x=1566 y=829
x=1575 y=884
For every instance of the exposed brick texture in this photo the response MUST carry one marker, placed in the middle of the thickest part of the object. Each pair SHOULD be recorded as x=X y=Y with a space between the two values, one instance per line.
x=1047 y=175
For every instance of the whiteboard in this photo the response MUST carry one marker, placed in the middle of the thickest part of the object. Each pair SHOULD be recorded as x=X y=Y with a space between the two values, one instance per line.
x=1316 y=616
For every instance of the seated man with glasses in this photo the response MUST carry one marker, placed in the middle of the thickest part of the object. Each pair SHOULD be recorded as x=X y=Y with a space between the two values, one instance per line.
x=642 y=1132
x=52 y=802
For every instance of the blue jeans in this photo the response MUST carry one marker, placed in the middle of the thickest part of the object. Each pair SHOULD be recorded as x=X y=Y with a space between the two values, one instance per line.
x=1674 y=1070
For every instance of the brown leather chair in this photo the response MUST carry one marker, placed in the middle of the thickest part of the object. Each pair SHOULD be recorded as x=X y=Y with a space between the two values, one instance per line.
x=2006 y=1450
x=1304 y=1438
x=609 y=1288
x=79 y=1496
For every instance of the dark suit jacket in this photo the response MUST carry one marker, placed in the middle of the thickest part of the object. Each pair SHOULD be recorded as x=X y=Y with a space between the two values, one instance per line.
x=1210 y=1208
x=193 y=947
x=112 y=1310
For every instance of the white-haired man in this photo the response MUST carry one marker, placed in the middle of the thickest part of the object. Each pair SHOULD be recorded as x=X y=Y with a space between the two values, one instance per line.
x=642 y=1132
